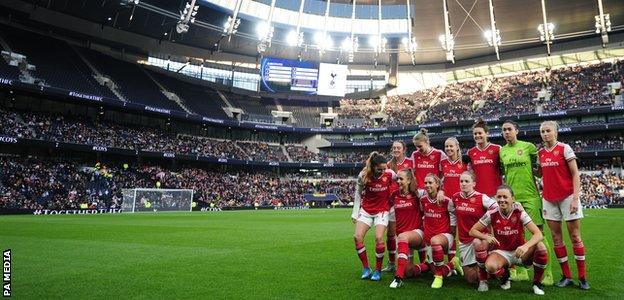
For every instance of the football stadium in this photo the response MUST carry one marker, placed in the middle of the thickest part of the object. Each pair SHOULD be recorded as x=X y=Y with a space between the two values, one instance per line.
x=311 y=149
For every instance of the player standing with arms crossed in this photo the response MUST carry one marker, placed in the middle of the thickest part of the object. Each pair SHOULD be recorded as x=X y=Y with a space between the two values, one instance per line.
x=518 y=159
x=398 y=162
x=562 y=186
x=508 y=223
x=484 y=160
x=374 y=189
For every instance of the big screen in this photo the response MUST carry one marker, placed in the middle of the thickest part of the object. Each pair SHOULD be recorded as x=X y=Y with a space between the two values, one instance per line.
x=284 y=75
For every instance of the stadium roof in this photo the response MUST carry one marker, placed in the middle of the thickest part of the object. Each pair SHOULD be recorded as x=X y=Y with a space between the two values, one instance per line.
x=516 y=20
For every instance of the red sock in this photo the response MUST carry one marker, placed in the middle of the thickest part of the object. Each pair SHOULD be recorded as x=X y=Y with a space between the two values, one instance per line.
x=392 y=247
x=483 y=275
x=540 y=259
x=579 y=255
x=438 y=259
x=361 y=252
x=451 y=252
x=420 y=269
x=500 y=273
x=403 y=258
x=423 y=267
x=422 y=255
x=379 y=253
x=562 y=257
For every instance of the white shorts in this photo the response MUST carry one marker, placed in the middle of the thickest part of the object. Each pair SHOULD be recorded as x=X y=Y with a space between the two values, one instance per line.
x=420 y=233
x=560 y=211
x=391 y=215
x=467 y=254
x=510 y=256
x=377 y=219
x=449 y=238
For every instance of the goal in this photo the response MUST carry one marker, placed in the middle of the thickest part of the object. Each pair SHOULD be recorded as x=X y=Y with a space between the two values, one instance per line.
x=136 y=200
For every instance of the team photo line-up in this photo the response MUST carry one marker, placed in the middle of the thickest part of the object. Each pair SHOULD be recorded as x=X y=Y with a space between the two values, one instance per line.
x=486 y=200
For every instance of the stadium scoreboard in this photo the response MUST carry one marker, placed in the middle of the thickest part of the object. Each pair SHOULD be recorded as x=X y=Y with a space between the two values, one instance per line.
x=283 y=75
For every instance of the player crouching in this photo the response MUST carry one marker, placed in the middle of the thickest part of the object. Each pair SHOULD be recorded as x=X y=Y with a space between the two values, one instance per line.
x=511 y=249
x=408 y=226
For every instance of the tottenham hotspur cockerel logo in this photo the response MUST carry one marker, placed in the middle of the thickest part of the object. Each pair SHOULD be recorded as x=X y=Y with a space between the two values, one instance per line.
x=333 y=75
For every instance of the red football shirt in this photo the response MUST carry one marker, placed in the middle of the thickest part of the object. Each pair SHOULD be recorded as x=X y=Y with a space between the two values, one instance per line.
x=438 y=218
x=451 y=172
x=556 y=174
x=469 y=210
x=407 y=210
x=508 y=230
x=427 y=163
x=376 y=193
x=486 y=165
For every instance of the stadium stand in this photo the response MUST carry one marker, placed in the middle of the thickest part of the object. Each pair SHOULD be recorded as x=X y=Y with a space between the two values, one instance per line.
x=200 y=99
x=52 y=184
x=56 y=63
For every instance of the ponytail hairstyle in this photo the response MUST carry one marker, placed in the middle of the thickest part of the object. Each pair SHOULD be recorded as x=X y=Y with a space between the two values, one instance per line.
x=373 y=159
x=413 y=187
x=479 y=123
x=393 y=163
x=421 y=136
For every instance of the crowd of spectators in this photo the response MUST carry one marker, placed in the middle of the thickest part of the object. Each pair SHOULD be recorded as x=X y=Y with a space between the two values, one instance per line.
x=52 y=184
x=602 y=188
x=569 y=87
x=58 y=128
x=47 y=184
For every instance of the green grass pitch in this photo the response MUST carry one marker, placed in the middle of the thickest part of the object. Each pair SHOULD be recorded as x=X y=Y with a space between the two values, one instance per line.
x=246 y=254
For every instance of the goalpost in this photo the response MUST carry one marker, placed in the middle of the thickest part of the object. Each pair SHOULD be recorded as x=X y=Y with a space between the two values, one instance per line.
x=137 y=200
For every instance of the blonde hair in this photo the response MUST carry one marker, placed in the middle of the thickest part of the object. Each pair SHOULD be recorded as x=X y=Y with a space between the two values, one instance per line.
x=422 y=135
x=551 y=123
x=454 y=139
x=554 y=124
x=436 y=179
x=471 y=174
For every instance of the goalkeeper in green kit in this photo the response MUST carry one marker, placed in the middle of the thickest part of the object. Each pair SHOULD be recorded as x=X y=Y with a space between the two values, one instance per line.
x=518 y=159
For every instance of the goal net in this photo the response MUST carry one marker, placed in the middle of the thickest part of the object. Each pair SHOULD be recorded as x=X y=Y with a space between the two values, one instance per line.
x=135 y=200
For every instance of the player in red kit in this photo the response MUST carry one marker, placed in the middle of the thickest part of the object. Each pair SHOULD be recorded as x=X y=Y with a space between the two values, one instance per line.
x=426 y=159
x=408 y=224
x=470 y=206
x=452 y=167
x=439 y=225
x=398 y=162
x=374 y=184
x=510 y=248
x=484 y=160
x=562 y=185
